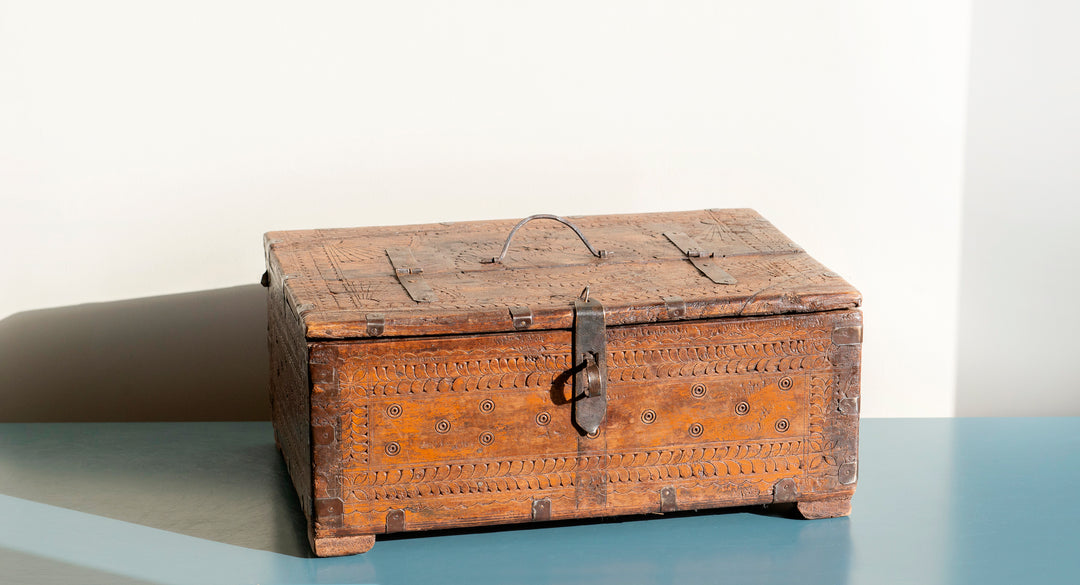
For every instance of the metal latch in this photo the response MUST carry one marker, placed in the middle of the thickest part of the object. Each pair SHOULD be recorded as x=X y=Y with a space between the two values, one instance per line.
x=589 y=348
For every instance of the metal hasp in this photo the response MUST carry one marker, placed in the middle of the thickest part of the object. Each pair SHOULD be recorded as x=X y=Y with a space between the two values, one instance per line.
x=703 y=260
x=410 y=275
x=590 y=364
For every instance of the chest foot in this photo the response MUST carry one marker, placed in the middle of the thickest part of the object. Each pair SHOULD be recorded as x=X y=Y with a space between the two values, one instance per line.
x=832 y=507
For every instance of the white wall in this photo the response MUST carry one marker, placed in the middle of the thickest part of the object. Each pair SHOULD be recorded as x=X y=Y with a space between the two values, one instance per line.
x=145 y=147
x=1021 y=212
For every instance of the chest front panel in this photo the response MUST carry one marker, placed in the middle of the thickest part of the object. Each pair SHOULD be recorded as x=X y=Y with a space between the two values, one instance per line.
x=436 y=432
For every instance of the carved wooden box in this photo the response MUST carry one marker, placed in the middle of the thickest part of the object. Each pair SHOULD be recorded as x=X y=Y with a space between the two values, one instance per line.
x=674 y=361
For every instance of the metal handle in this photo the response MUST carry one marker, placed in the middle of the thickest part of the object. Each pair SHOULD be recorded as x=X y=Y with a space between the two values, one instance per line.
x=506 y=246
x=592 y=377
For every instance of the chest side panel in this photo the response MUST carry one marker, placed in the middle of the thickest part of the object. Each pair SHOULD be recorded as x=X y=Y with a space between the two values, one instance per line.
x=289 y=391
x=473 y=430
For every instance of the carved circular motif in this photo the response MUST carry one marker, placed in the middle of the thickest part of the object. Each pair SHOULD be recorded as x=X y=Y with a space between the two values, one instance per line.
x=393 y=411
x=698 y=390
x=696 y=429
x=742 y=408
x=393 y=449
x=487 y=405
x=486 y=438
x=543 y=419
x=785 y=383
x=782 y=425
x=442 y=427
x=648 y=416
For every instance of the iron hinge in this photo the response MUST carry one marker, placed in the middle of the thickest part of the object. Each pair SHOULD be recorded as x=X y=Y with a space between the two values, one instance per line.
x=703 y=260
x=410 y=274
x=521 y=316
x=376 y=324
x=676 y=306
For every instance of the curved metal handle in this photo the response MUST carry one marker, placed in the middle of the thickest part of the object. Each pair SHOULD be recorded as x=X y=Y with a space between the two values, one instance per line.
x=506 y=246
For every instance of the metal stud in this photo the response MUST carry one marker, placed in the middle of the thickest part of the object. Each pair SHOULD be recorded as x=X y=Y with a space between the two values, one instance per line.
x=667 y=500
x=848 y=473
x=395 y=521
x=541 y=510
x=785 y=490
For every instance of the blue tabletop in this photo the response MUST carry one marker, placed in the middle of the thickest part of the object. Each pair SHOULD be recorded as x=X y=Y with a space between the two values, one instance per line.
x=939 y=501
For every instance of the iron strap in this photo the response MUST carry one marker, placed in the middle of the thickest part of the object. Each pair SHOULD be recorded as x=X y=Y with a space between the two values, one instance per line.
x=410 y=275
x=703 y=260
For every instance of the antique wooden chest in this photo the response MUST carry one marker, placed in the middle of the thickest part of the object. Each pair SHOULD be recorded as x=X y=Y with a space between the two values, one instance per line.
x=447 y=375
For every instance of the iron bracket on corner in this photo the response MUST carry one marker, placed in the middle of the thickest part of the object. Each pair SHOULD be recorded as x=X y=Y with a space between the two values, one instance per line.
x=589 y=347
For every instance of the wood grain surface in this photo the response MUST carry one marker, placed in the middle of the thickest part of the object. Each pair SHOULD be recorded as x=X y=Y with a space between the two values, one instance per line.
x=337 y=277
x=449 y=417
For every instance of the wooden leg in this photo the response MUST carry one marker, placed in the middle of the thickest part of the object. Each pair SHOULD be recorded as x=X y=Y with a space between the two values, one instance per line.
x=833 y=507
x=338 y=546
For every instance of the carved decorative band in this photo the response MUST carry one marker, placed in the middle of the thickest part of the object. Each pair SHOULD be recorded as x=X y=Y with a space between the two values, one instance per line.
x=819 y=459
x=554 y=472
x=354 y=433
x=434 y=373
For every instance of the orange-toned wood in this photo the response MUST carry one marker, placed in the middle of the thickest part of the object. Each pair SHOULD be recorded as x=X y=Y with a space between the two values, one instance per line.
x=417 y=429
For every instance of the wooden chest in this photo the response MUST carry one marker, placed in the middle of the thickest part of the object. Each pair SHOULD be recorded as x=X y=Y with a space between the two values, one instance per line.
x=658 y=362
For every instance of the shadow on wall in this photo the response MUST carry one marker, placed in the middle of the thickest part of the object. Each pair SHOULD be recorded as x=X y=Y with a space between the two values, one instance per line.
x=195 y=357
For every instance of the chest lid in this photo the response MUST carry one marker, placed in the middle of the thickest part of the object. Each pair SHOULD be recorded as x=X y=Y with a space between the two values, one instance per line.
x=440 y=279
